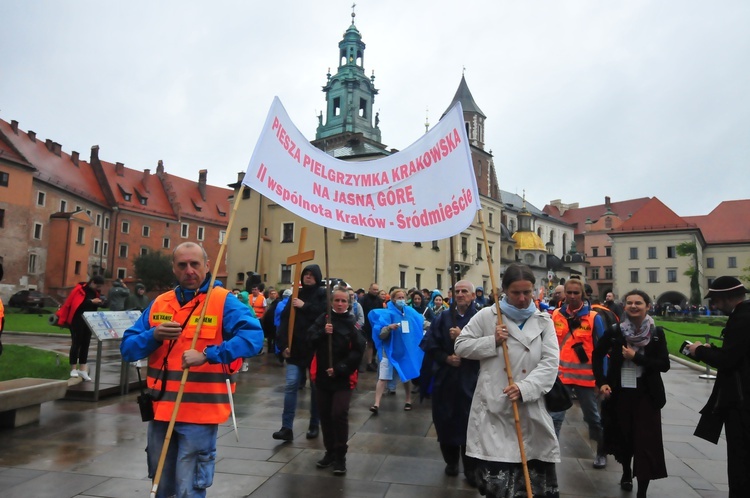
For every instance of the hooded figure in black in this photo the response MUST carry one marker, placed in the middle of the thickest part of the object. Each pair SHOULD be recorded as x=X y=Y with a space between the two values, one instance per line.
x=310 y=304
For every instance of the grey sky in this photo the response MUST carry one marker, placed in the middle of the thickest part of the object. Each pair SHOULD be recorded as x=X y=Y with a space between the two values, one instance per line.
x=583 y=98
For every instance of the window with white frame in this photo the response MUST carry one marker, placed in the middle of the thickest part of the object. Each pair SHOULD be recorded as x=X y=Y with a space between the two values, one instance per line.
x=105 y=248
x=98 y=219
x=41 y=198
x=38 y=231
x=122 y=273
x=201 y=233
x=123 y=251
x=96 y=246
x=63 y=205
x=185 y=230
x=146 y=231
x=32 y=263
x=106 y=222
x=165 y=243
x=125 y=227
x=81 y=236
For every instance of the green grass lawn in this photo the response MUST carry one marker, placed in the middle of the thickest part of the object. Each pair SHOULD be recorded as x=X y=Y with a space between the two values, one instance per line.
x=16 y=321
x=23 y=361
x=675 y=336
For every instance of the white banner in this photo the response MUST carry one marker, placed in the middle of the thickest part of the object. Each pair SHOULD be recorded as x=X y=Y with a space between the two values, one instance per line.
x=426 y=192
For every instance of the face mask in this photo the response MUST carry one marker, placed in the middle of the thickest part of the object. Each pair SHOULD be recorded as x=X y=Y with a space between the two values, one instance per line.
x=400 y=303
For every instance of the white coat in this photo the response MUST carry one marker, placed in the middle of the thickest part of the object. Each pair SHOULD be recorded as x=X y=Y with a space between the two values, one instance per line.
x=534 y=358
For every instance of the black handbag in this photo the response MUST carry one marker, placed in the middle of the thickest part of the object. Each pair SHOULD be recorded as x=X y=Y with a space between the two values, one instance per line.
x=558 y=398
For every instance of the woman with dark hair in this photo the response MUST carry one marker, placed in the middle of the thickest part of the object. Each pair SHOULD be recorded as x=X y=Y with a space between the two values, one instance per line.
x=633 y=392
x=338 y=348
x=533 y=353
x=417 y=302
x=85 y=296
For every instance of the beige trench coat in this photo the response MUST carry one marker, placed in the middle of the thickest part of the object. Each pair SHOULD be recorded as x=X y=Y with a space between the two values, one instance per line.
x=534 y=358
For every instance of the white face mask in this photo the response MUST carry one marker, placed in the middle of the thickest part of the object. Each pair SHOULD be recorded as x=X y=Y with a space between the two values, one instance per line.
x=400 y=303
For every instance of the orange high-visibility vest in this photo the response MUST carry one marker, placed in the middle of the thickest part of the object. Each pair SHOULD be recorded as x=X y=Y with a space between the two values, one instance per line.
x=256 y=303
x=572 y=371
x=205 y=399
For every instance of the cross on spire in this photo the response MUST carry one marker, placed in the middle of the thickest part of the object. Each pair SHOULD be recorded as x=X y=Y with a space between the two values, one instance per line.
x=353 y=13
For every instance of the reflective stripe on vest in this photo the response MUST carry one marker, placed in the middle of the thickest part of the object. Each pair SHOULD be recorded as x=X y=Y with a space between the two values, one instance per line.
x=205 y=399
x=572 y=371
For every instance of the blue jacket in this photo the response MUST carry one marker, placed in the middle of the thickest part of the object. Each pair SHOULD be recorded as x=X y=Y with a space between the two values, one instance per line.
x=402 y=349
x=242 y=334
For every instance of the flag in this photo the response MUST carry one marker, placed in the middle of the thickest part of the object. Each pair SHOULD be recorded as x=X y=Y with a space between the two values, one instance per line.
x=426 y=192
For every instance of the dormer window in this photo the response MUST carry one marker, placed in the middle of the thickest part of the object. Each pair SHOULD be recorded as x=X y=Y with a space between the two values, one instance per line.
x=221 y=213
x=142 y=199
x=197 y=206
x=126 y=194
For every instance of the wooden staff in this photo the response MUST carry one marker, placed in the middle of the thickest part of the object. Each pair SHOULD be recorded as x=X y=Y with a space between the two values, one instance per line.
x=178 y=399
x=297 y=261
x=328 y=298
x=451 y=305
x=508 y=371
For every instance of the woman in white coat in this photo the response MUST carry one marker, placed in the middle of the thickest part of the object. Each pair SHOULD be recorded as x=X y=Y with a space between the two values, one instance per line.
x=534 y=356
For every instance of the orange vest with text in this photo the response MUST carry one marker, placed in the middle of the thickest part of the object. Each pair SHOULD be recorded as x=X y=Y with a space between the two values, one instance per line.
x=256 y=303
x=572 y=370
x=205 y=399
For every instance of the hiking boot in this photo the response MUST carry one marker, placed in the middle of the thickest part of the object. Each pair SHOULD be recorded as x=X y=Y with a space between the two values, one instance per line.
x=285 y=434
x=326 y=461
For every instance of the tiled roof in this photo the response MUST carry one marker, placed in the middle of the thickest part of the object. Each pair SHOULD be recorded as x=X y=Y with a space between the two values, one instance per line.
x=56 y=167
x=514 y=202
x=132 y=183
x=360 y=149
x=192 y=204
x=8 y=153
x=463 y=95
x=728 y=223
x=578 y=216
x=654 y=216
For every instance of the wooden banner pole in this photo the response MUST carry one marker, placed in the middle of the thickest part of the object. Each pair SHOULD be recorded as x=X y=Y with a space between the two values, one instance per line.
x=178 y=399
x=506 y=357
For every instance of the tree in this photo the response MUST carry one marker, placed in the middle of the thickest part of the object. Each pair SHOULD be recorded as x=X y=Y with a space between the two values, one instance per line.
x=154 y=270
x=688 y=249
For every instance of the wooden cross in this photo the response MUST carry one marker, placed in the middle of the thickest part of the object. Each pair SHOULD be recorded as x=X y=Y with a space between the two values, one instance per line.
x=297 y=260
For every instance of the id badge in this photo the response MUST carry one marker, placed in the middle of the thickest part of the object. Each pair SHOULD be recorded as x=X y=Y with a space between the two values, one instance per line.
x=404 y=327
x=628 y=377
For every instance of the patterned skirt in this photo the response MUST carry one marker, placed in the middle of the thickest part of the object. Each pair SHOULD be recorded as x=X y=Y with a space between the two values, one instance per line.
x=506 y=480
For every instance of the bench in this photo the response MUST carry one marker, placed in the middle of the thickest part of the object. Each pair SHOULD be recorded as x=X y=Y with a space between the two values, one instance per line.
x=21 y=399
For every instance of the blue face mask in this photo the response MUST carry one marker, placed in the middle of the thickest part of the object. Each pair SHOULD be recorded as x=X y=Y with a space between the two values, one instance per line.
x=400 y=303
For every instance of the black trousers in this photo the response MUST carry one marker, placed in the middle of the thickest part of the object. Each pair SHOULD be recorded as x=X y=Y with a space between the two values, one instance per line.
x=80 y=336
x=737 y=430
x=333 y=409
x=452 y=453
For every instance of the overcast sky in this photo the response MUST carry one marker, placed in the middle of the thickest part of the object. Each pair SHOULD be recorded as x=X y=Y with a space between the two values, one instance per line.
x=583 y=98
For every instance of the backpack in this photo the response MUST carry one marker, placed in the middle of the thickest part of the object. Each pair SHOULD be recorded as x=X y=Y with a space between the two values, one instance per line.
x=609 y=318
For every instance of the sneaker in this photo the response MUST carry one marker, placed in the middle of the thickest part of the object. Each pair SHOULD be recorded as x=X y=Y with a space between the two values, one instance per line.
x=326 y=461
x=600 y=461
x=285 y=434
x=339 y=467
x=74 y=374
x=84 y=375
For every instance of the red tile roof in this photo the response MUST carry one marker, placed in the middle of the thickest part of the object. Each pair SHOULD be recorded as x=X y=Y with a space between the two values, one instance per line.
x=132 y=182
x=654 y=216
x=578 y=216
x=728 y=223
x=192 y=204
x=53 y=168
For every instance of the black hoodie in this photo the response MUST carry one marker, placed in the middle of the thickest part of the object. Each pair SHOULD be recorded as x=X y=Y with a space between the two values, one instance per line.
x=314 y=297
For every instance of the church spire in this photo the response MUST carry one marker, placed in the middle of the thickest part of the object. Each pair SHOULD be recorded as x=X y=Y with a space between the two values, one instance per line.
x=350 y=94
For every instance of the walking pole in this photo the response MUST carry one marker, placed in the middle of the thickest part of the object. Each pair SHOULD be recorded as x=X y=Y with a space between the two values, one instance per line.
x=328 y=299
x=508 y=371
x=178 y=399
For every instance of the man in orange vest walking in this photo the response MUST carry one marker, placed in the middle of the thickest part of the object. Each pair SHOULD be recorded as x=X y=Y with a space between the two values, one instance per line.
x=257 y=302
x=164 y=333
x=577 y=329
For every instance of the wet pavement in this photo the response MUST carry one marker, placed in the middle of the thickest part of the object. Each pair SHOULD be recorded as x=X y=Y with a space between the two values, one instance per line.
x=96 y=448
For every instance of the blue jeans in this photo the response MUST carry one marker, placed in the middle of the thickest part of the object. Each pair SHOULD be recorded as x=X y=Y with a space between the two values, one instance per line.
x=589 y=407
x=294 y=374
x=191 y=458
